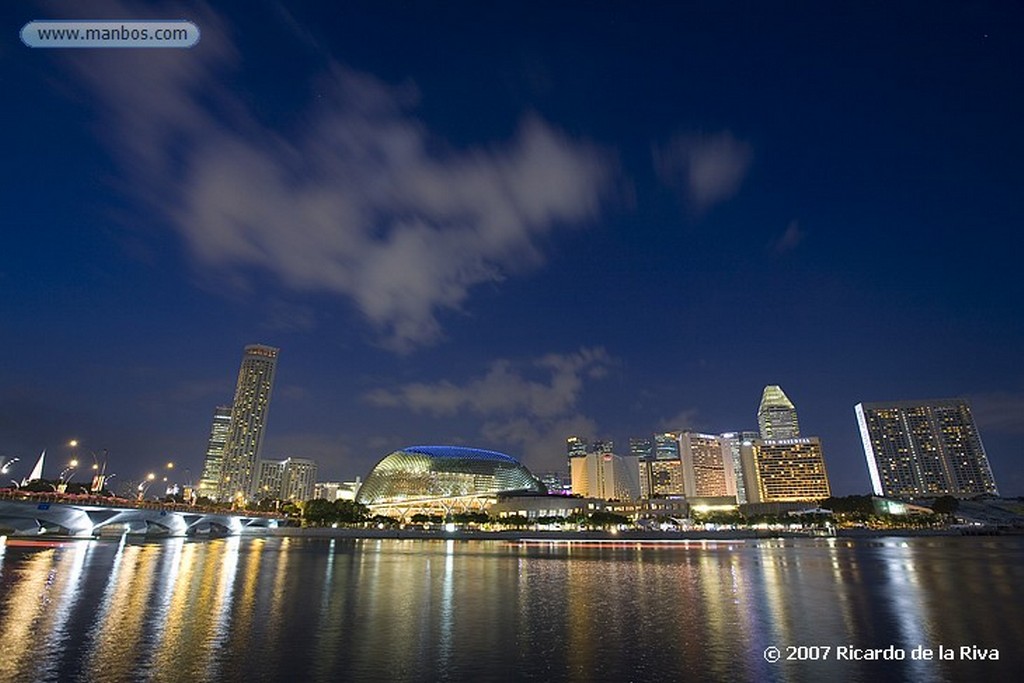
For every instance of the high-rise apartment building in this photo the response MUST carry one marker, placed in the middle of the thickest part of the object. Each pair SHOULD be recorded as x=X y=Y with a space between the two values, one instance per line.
x=776 y=415
x=788 y=470
x=239 y=476
x=924 y=449
x=209 y=483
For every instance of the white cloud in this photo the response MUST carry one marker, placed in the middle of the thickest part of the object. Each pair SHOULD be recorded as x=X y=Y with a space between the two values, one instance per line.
x=707 y=169
x=504 y=389
x=363 y=201
x=528 y=408
x=687 y=418
x=790 y=238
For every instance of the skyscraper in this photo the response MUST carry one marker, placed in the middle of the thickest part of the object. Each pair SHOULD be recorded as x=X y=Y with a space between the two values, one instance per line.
x=704 y=467
x=923 y=449
x=738 y=450
x=209 y=483
x=291 y=479
x=661 y=471
x=239 y=475
x=776 y=416
x=605 y=475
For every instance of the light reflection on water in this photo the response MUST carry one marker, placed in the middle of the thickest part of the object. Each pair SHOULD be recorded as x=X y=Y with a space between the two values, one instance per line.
x=311 y=609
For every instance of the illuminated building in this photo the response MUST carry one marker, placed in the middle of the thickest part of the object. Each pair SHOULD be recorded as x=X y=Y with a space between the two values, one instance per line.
x=705 y=474
x=439 y=480
x=576 y=446
x=606 y=476
x=557 y=483
x=210 y=481
x=289 y=479
x=924 y=449
x=738 y=449
x=661 y=471
x=238 y=477
x=788 y=470
x=270 y=479
x=337 y=490
x=776 y=415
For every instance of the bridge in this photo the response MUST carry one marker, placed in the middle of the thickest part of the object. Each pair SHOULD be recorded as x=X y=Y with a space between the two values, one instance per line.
x=85 y=516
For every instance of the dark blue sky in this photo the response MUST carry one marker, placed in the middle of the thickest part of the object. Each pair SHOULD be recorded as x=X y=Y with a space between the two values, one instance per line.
x=497 y=226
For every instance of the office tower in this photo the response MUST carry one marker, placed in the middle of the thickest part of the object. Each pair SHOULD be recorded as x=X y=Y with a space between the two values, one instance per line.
x=239 y=476
x=788 y=470
x=776 y=416
x=661 y=472
x=738 y=451
x=210 y=481
x=641 y=447
x=600 y=446
x=557 y=483
x=704 y=468
x=606 y=476
x=924 y=449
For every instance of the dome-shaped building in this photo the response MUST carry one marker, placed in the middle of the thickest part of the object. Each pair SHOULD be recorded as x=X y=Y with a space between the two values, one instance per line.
x=442 y=479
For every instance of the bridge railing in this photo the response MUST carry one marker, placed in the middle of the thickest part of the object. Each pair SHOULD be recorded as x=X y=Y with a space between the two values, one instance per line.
x=130 y=503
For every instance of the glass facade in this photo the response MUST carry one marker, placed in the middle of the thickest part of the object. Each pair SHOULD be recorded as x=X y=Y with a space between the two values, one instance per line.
x=443 y=478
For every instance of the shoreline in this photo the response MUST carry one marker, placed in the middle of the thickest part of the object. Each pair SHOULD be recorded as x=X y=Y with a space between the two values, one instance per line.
x=622 y=537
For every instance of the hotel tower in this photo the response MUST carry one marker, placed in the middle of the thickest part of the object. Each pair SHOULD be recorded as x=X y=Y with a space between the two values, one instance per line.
x=924 y=449
x=239 y=466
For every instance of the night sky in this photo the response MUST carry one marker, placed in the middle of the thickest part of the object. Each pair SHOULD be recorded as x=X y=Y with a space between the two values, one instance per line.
x=499 y=226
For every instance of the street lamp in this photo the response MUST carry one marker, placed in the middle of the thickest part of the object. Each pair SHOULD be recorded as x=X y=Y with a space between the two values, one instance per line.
x=99 y=472
x=66 y=475
x=144 y=486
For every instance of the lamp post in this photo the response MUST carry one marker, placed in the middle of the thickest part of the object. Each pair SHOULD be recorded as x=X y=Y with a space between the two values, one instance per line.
x=99 y=472
x=66 y=475
x=144 y=486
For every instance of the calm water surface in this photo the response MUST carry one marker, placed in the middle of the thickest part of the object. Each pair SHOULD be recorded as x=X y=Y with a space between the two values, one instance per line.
x=288 y=609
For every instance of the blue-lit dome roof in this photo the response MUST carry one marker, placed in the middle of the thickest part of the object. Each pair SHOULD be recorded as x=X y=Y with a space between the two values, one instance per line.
x=460 y=452
x=428 y=472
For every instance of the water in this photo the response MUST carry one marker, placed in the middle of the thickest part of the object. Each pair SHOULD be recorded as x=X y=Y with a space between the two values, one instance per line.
x=290 y=609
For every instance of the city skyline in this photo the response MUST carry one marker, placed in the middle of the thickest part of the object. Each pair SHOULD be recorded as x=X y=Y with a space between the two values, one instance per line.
x=497 y=227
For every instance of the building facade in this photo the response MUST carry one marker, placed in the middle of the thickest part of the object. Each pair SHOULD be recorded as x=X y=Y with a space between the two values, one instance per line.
x=661 y=470
x=209 y=483
x=776 y=415
x=606 y=476
x=788 y=470
x=239 y=478
x=924 y=449
x=738 y=449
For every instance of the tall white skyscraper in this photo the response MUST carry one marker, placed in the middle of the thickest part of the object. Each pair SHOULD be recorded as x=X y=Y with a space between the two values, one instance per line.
x=923 y=449
x=776 y=416
x=239 y=475
x=209 y=483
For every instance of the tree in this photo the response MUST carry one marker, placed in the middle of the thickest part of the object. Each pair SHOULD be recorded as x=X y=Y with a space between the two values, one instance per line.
x=605 y=519
x=945 y=505
x=350 y=512
x=318 y=512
